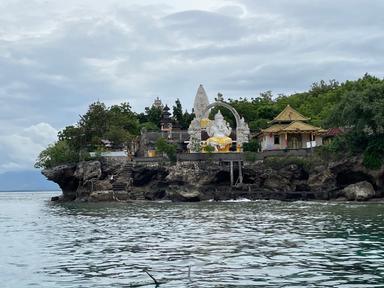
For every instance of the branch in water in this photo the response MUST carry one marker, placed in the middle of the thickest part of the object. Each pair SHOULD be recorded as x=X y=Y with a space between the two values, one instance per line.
x=153 y=278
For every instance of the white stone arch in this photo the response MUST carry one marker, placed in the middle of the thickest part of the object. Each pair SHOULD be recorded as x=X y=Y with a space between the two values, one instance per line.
x=225 y=105
x=194 y=130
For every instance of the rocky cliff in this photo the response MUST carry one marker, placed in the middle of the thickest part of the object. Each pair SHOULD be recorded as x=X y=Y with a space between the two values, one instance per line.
x=116 y=179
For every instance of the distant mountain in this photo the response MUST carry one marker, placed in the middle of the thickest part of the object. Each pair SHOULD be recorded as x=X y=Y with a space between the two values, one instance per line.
x=25 y=181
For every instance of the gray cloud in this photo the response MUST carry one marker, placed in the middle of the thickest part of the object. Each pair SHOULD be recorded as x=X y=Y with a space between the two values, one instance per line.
x=58 y=57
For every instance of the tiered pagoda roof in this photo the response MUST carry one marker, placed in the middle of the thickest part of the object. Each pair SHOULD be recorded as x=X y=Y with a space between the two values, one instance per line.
x=288 y=115
x=165 y=116
x=291 y=121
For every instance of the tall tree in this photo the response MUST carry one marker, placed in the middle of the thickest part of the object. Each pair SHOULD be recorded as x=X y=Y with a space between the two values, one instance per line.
x=153 y=115
x=177 y=113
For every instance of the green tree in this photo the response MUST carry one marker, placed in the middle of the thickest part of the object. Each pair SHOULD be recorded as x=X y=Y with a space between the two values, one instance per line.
x=94 y=124
x=123 y=117
x=361 y=110
x=187 y=119
x=56 y=154
x=252 y=146
x=149 y=126
x=118 y=136
x=183 y=118
x=153 y=114
x=73 y=136
x=162 y=146
x=177 y=112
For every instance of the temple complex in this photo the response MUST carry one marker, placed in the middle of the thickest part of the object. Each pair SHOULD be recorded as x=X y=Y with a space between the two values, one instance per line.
x=157 y=103
x=203 y=135
x=290 y=130
x=218 y=130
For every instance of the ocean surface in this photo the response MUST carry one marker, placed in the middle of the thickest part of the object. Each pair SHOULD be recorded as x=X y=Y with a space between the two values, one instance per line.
x=228 y=244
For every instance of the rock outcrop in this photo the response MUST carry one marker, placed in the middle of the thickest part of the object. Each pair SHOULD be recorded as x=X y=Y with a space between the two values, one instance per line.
x=116 y=179
x=64 y=176
x=360 y=191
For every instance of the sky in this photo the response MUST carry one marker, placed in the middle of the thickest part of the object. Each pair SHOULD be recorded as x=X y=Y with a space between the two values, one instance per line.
x=57 y=57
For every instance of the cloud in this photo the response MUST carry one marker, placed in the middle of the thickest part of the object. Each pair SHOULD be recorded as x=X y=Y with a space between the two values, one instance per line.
x=20 y=150
x=56 y=57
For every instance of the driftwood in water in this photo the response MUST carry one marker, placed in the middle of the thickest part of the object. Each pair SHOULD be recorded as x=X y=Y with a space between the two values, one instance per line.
x=153 y=278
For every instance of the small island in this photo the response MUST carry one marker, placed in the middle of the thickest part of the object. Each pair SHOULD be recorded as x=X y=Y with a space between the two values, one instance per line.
x=323 y=144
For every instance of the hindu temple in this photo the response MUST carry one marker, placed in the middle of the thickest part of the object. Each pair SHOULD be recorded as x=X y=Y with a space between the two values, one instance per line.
x=215 y=133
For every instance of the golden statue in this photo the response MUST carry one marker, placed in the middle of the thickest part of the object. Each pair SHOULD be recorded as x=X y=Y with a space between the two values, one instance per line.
x=219 y=130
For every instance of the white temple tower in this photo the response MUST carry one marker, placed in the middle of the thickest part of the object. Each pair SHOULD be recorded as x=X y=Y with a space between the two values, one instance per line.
x=201 y=102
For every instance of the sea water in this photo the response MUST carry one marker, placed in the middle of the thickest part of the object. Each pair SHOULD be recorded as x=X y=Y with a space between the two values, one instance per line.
x=211 y=244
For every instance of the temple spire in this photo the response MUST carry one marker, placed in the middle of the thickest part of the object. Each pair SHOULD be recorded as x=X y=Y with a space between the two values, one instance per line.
x=201 y=102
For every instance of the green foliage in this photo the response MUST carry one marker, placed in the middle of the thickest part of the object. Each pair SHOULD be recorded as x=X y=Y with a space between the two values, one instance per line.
x=362 y=110
x=118 y=135
x=195 y=146
x=331 y=151
x=183 y=118
x=277 y=162
x=322 y=100
x=162 y=146
x=153 y=115
x=370 y=146
x=373 y=157
x=117 y=124
x=209 y=149
x=372 y=160
x=149 y=126
x=73 y=136
x=257 y=125
x=252 y=146
x=250 y=156
x=356 y=105
x=57 y=154
x=121 y=116
x=177 y=112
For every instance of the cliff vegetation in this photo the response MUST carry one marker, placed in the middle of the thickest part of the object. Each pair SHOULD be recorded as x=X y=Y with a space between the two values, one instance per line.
x=357 y=106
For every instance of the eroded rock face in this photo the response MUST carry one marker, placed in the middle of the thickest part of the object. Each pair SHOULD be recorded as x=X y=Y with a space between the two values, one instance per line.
x=199 y=181
x=143 y=176
x=88 y=170
x=323 y=180
x=277 y=183
x=101 y=196
x=360 y=191
x=63 y=175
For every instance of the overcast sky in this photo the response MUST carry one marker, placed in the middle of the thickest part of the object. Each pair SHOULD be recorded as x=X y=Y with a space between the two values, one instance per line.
x=57 y=57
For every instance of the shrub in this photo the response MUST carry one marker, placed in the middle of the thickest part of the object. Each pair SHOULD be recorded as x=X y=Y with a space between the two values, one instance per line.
x=209 y=149
x=162 y=146
x=57 y=154
x=250 y=156
x=277 y=162
x=372 y=160
x=252 y=146
x=373 y=156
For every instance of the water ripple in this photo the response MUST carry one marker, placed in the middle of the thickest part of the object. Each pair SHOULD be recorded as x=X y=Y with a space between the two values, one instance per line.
x=232 y=244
